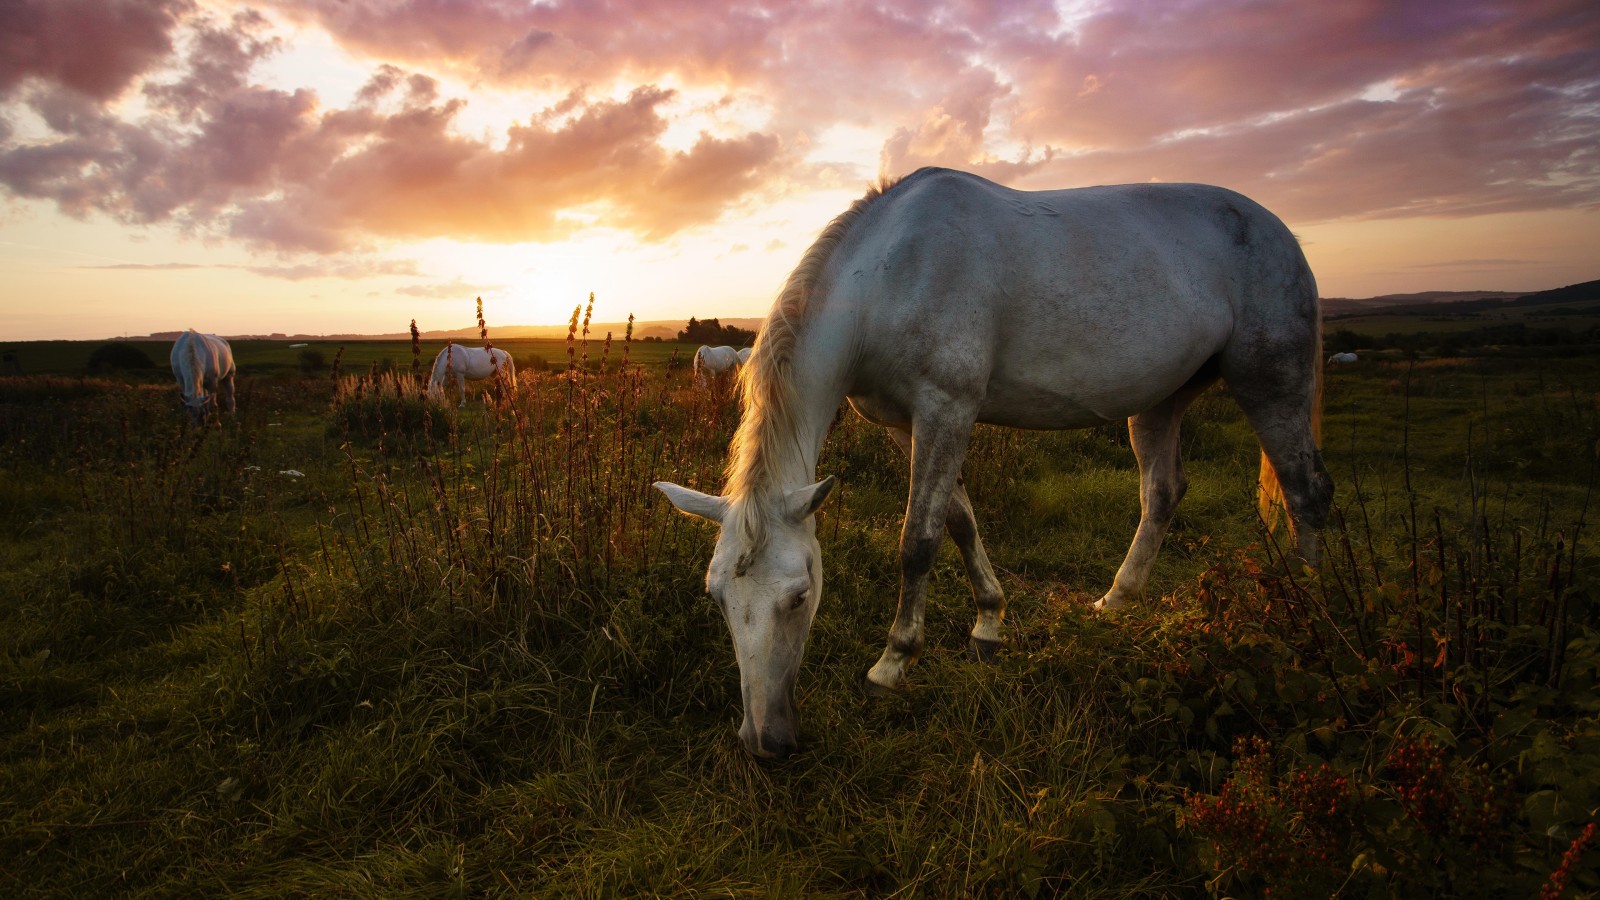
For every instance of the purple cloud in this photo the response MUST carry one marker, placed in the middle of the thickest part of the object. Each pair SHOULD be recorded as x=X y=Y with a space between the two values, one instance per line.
x=1323 y=111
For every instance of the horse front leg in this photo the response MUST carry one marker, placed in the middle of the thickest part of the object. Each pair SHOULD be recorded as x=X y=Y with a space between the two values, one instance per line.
x=987 y=595
x=225 y=390
x=937 y=449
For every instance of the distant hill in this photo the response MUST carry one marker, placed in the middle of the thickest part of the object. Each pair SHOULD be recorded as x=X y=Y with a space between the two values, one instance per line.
x=1458 y=302
x=1421 y=303
x=1342 y=306
x=666 y=329
x=1572 y=293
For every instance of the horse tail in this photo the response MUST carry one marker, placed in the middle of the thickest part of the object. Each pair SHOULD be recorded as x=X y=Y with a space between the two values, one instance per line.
x=1269 y=492
x=440 y=371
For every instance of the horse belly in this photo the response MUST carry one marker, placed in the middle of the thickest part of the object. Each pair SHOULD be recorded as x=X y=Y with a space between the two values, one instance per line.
x=1064 y=384
x=1078 y=404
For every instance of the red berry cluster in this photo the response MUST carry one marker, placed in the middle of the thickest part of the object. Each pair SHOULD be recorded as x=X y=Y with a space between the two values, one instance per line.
x=1322 y=795
x=1463 y=803
x=1283 y=830
x=1422 y=783
x=1558 y=879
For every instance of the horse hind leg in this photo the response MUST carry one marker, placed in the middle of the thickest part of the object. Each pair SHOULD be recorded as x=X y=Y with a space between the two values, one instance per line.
x=1281 y=402
x=987 y=595
x=1304 y=481
x=1162 y=484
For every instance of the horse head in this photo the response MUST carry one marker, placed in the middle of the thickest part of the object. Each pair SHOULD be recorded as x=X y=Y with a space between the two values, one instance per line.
x=768 y=591
x=198 y=406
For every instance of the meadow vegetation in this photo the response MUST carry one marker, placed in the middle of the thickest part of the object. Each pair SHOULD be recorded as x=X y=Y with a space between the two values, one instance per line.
x=355 y=642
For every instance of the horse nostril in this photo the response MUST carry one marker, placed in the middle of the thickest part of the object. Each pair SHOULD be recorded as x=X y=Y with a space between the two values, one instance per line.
x=767 y=745
x=782 y=749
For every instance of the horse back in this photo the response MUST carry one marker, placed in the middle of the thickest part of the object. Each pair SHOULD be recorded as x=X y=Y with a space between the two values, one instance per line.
x=1056 y=308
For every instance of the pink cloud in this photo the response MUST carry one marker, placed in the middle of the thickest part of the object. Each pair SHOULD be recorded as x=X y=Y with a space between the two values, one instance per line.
x=93 y=47
x=1485 y=105
x=1136 y=91
x=455 y=289
x=272 y=168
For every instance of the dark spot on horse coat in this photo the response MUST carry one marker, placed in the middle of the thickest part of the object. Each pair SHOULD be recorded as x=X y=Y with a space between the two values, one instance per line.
x=1240 y=226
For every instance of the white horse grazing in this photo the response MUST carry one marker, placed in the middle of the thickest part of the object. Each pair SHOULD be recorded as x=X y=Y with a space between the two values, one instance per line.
x=203 y=365
x=744 y=355
x=715 y=361
x=1343 y=358
x=476 y=363
x=944 y=300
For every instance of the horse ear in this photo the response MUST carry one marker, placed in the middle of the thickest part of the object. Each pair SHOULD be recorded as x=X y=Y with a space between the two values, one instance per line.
x=805 y=501
x=694 y=503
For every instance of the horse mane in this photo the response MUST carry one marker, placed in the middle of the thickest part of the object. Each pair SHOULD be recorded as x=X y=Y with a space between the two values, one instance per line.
x=766 y=437
x=197 y=368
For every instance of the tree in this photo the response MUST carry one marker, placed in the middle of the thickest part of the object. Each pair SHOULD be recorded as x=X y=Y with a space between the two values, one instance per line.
x=118 y=356
x=711 y=331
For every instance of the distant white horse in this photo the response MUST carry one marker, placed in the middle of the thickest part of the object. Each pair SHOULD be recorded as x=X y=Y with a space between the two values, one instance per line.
x=476 y=363
x=714 y=361
x=744 y=355
x=203 y=365
x=944 y=300
x=1342 y=358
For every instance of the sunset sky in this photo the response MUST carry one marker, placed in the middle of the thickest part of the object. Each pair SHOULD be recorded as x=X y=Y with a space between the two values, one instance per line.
x=348 y=165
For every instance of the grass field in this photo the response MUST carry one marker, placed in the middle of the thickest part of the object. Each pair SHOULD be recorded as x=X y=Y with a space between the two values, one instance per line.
x=284 y=357
x=351 y=643
x=1574 y=317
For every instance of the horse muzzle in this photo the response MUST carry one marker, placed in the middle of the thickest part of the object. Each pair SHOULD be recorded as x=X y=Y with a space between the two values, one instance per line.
x=769 y=743
x=773 y=733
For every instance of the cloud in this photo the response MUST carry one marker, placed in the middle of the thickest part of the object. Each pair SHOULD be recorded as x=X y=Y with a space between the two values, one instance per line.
x=151 y=267
x=1340 y=110
x=1495 y=103
x=1491 y=107
x=92 y=47
x=348 y=269
x=330 y=267
x=455 y=289
x=272 y=168
x=409 y=175
x=1476 y=263
x=954 y=134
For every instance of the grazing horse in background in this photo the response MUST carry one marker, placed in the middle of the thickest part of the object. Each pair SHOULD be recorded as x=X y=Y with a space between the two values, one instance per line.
x=714 y=360
x=476 y=363
x=944 y=300
x=744 y=355
x=203 y=365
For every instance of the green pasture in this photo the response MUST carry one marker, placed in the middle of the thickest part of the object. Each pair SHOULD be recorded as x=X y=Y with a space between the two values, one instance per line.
x=280 y=358
x=1575 y=316
x=352 y=643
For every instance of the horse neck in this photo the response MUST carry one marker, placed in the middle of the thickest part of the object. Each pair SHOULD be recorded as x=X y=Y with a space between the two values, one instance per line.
x=818 y=372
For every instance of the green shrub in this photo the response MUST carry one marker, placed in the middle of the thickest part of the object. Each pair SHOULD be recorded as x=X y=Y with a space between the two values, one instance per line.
x=117 y=356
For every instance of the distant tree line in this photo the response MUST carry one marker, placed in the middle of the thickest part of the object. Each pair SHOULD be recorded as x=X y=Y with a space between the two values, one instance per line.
x=1510 y=336
x=711 y=331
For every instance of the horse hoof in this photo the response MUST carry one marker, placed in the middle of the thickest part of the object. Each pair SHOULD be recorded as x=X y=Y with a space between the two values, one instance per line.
x=1108 y=603
x=983 y=650
x=875 y=689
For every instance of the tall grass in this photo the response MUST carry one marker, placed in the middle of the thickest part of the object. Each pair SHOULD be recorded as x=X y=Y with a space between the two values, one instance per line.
x=464 y=651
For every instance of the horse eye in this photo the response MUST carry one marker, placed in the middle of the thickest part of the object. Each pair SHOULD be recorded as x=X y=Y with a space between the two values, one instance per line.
x=797 y=601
